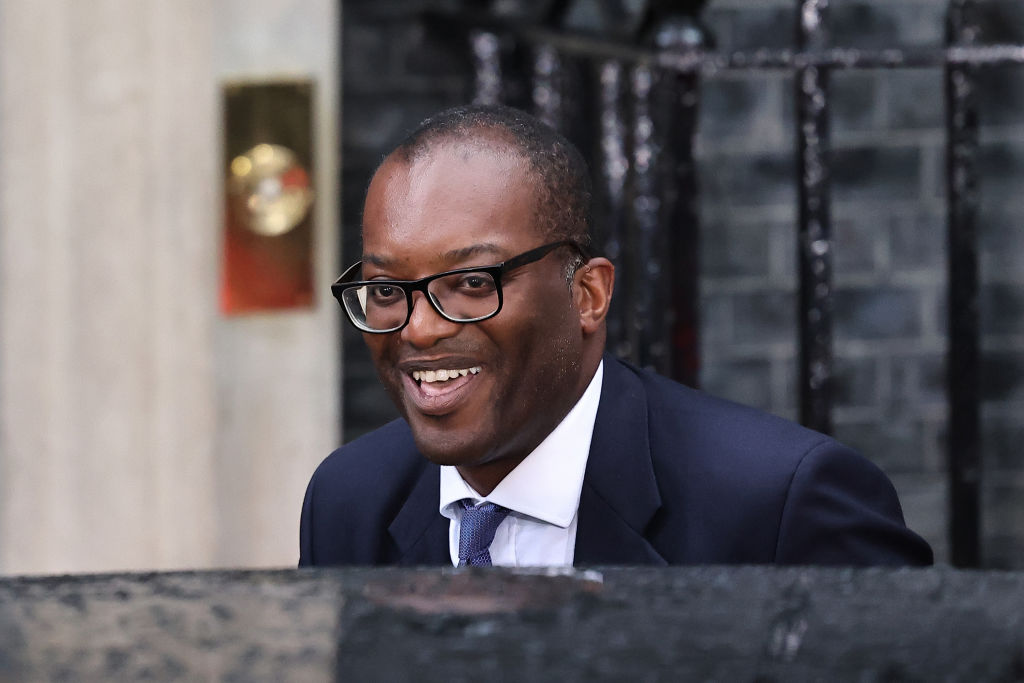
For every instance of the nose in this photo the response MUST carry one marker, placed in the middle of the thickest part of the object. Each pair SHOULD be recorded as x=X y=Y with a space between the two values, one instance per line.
x=426 y=326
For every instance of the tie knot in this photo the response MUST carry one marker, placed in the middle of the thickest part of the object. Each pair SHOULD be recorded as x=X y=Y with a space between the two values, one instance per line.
x=476 y=532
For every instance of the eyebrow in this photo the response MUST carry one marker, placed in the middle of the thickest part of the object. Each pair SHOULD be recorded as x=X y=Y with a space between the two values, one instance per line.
x=453 y=256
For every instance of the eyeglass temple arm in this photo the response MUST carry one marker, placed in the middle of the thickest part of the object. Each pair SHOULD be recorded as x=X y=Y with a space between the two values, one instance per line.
x=347 y=275
x=541 y=252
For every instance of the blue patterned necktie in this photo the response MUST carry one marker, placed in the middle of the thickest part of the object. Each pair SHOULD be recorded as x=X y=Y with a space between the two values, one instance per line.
x=476 y=531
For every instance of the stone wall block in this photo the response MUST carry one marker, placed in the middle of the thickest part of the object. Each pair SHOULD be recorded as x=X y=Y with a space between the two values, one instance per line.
x=764 y=317
x=1002 y=240
x=917 y=241
x=856 y=239
x=1002 y=308
x=875 y=24
x=733 y=249
x=1001 y=95
x=919 y=379
x=1002 y=21
x=700 y=623
x=746 y=381
x=1001 y=167
x=1002 y=435
x=912 y=99
x=896 y=444
x=753 y=26
x=749 y=180
x=1004 y=518
x=1002 y=376
x=230 y=626
x=856 y=382
x=743 y=106
x=878 y=313
x=876 y=173
x=853 y=101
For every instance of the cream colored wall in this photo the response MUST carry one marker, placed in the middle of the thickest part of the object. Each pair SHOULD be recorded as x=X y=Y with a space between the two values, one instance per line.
x=138 y=427
x=282 y=364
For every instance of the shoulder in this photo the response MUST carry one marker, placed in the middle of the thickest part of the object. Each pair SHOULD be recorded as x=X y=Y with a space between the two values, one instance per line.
x=745 y=486
x=383 y=460
x=354 y=495
x=717 y=434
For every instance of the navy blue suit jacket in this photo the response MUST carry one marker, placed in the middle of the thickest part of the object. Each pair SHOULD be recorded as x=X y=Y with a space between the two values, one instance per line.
x=674 y=477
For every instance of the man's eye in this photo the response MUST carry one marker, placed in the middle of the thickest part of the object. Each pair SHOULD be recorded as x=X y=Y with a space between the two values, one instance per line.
x=476 y=284
x=385 y=294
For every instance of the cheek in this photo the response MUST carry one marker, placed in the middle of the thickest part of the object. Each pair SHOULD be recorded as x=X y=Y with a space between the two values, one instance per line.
x=383 y=355
x=546 y=347
x=376 y=345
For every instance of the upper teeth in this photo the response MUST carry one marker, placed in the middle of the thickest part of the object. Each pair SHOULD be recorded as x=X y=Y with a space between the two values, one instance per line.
x=442 y=375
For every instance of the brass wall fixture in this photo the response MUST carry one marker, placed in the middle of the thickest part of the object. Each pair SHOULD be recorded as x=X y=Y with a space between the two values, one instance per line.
x=272 y=189
x=268 y=228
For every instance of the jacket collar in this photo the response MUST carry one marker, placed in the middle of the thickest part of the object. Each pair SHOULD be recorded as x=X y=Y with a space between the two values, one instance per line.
x=620 y=492
x=419 y=530
x=619 y=497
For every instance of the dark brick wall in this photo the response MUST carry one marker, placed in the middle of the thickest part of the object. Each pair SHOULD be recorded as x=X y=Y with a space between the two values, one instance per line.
x=890 y=251
x=889 y=213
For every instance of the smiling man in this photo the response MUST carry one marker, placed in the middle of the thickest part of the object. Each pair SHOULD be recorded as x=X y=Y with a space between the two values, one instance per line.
x=520 y=442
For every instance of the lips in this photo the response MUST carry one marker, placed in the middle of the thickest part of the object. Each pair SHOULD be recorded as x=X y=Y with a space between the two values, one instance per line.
x=439 y=392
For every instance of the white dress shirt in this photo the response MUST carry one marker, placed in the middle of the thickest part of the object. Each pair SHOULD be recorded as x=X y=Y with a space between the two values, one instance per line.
x=542 y=492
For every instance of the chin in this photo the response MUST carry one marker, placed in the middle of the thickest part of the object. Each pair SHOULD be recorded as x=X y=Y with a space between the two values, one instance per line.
x=446 y=451
x=439 y=441
x=453 y=439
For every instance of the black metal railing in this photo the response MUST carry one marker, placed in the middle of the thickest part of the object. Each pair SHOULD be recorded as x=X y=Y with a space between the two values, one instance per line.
x=633 y=109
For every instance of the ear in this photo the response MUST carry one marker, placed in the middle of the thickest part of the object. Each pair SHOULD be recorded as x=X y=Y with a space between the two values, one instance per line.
x=592 y=288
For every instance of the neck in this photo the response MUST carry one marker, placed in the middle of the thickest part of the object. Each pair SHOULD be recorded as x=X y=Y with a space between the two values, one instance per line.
x=485 y=478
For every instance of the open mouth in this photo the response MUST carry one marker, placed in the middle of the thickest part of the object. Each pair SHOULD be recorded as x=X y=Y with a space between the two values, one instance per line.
x=436 y=392
x=432 y=376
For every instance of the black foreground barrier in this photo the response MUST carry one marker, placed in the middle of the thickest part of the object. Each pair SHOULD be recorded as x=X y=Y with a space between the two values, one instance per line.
x=686 y=624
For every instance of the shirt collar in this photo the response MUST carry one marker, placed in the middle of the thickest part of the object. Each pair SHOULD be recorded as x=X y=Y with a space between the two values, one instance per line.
x=546 y=485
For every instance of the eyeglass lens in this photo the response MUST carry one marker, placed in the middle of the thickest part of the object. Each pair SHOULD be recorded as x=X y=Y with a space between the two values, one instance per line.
x=460 y=297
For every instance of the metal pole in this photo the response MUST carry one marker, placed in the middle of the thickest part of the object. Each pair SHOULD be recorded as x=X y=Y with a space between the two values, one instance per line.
x=815 y=229
x=612 y=170
x=677 y=103
x=486 y=66
x=964 y=356
x=643 y=262
x=546 y=92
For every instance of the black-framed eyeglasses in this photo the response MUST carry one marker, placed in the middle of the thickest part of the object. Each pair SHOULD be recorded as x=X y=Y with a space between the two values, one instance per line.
x=464 y=295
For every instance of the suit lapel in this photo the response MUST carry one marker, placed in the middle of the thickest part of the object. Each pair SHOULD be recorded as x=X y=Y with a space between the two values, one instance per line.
x=419 y=530
x=620 y=492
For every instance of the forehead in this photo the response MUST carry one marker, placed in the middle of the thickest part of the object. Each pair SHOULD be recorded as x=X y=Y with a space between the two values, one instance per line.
x=452 y=197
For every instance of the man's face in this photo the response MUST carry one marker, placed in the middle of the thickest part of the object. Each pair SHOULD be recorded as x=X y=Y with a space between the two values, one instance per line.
x=461 y=207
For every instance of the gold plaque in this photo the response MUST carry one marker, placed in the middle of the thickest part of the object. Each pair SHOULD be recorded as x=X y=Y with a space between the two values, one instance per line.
x=267 y=261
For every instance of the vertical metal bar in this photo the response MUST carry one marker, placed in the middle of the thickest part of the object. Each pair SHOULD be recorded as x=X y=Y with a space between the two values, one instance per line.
x=964 y=356
x=645 y=268
x=547 y=89
x=486 y=67
x=675 y=116
x=664 y=208
x=566 y=96
x=501 y=69
x=815 y=230
x=612 y=170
